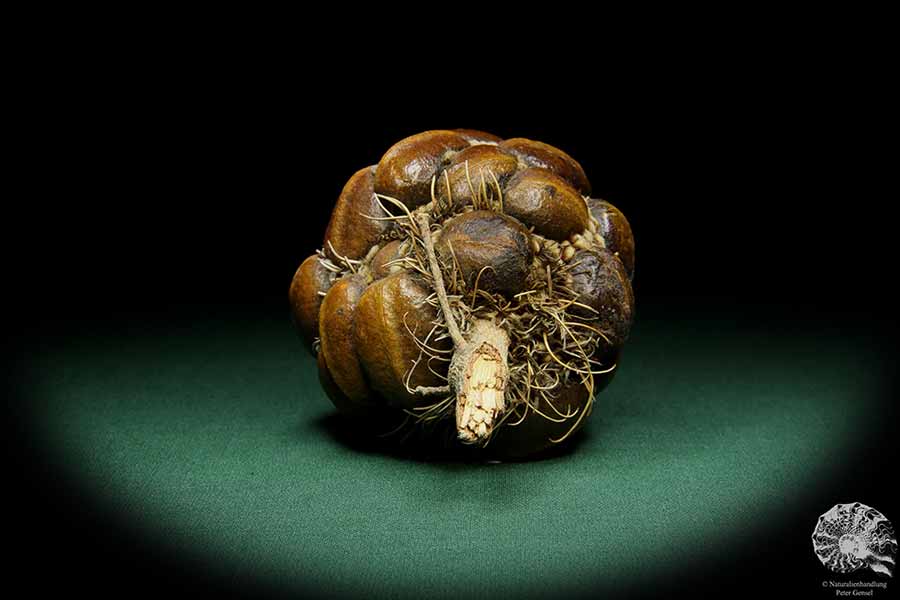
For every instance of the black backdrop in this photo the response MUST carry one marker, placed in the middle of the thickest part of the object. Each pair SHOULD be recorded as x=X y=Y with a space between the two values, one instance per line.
x=165 y=185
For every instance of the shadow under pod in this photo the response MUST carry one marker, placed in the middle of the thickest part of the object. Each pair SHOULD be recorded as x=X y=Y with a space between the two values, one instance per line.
x=435 y=445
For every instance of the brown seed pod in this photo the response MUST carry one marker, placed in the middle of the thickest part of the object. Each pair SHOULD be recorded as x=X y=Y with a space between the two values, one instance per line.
x=337 y=317
x=406 y=170
x=543 y=200
x=308 y=288
x=350 y=233
x=345 y=405
x=489 y=248
x=393 y=317
x=384 y=262
x=615 y=231
x=472 y=170
x=466 y=281
x=605 y=291
x=545 y=156
x=478 y=137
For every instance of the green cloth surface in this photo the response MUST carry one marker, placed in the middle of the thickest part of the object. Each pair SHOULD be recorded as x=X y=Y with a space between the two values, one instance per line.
x=213 y=439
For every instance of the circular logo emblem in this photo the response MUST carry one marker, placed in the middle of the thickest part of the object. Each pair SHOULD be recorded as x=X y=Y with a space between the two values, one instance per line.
x=853 y=536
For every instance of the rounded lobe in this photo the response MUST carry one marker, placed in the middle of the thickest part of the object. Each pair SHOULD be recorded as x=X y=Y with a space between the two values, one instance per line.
x=340 y=400
x=543 y=200
x=380 y=265
x=601 y=282
x=483 y=238
x=475 y=136
x=615 y=231
x=338 y=342
x=387 y=351
x=350 y=233
x=406 y=169
x=305 y=298
x=474 y=168
x=545 y=156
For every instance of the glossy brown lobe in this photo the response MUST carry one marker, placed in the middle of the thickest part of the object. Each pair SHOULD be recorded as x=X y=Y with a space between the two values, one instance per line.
x=309 y=279
x=350 y=233
x=534 y=433
x=386 y=309
x=602 y=283
x=484 y=238
x=545 y=201
x=338 y=342
x=545 y=156
x=470 y=168
x=340 y=400
x=615 y=230
x=405 y=171
x=478 y=137
x=389 y=252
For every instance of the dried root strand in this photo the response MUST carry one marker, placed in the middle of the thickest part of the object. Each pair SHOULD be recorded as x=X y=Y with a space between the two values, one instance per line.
x=452 y=327
x=478 y=371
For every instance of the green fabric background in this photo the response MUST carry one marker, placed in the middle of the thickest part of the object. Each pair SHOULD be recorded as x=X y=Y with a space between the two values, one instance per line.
x=214 y=439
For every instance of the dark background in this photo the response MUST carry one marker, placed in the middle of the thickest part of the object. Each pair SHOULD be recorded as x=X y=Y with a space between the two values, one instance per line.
x=180 y=181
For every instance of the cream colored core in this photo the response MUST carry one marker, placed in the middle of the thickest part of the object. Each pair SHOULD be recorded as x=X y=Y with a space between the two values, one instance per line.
x=481 y=400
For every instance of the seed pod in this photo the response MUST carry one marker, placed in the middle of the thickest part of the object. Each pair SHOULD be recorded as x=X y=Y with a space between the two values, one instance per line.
x=493 y=244
x=345 y=405
x=336 y=326
x=380 y=265
x=350 y=234
x=615 y=231
x=600 y=280
x=388 y=311
x=308 y=287
x=545 y=201
x=471 y=170
x=545 y=156
x=405 y=171
x=403 y=337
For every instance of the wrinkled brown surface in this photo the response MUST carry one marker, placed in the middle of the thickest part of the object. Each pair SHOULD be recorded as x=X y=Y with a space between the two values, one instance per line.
x=545 y=156
x=387 y=253
x=542 y=199
x=309 y=279
x=349 y=231
x=485 y=238
x=534 y=433
x=601 y=282
x=384 y=345
x=338 y=341
x=405 y=171
x=481 y=161
x=615 y=230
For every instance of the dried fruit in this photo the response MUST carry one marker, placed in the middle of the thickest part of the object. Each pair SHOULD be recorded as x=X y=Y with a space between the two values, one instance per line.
x=470 y=281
